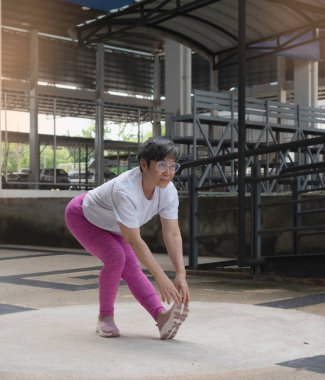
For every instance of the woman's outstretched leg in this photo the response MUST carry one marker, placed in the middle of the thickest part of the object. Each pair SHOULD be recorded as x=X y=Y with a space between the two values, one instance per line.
x=138 y=282
x=168 y=321
x=103 y=245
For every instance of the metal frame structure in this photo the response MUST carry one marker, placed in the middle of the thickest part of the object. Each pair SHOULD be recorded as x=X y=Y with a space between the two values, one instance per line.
x=56 y=108
x=305 y=216
x=297 y=177
x=215 y=132
x=285 y=140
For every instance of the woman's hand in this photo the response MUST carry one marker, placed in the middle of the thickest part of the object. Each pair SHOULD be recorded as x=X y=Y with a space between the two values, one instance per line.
x=181 y=285
x=169 y=292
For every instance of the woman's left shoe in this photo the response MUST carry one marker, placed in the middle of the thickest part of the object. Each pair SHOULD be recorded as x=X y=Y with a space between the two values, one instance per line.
x=174 y=319
x=107 y=328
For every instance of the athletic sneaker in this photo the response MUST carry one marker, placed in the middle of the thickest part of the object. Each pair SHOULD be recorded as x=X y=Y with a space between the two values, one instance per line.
x=106 y=327
x=177 y=315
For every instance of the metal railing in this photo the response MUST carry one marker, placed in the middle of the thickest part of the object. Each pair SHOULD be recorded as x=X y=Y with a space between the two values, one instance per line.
x=213 y=132
x=301 y=179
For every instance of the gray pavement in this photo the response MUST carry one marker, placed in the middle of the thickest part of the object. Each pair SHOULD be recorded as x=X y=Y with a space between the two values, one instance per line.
x=238 y=328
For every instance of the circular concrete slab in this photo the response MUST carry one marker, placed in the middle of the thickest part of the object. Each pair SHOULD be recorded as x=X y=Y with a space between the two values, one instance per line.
x=217 y=337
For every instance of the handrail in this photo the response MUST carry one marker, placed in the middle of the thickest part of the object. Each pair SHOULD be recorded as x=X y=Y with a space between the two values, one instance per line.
x=286 y=139
x=256 y=179
x=257 y=111
x=254 y=152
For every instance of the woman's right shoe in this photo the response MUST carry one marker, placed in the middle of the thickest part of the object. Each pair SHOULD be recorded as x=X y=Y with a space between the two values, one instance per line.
x=177 y=315
x=106 y=327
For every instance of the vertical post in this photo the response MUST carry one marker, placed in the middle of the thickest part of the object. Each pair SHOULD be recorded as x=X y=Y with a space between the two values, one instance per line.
x=118 y=162
x=0 y=94
x=99 y=136
x=54 y=141
x=6 y=145
x=232 y=142
x=267 y=140
x=193 y=222
x=178 y=60
x=186 y=86
x=194 y=155
x=86 y=165
x=139 y=126
x=241 y=129
x=256 y=216
x=282 y=98
x=79 y=167
x=296 y=215
x=156 y=127
x=34 y=148
x=299 y=156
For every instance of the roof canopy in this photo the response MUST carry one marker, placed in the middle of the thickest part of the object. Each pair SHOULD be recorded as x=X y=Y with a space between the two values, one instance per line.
x=209 y=27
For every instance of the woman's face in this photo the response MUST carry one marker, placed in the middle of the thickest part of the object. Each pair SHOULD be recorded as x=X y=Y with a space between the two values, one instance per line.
x=160 y=173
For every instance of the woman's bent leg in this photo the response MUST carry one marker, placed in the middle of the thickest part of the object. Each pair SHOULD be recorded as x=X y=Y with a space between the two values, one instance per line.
x=139 y=284
x=102 y=244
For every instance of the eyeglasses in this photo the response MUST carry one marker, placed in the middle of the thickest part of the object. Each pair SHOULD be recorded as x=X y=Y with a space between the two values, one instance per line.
x=163 y=166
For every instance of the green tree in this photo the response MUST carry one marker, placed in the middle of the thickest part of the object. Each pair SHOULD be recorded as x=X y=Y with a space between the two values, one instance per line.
x=15 y=157
x=122 y=131
x=63 y=157
x=90 y=131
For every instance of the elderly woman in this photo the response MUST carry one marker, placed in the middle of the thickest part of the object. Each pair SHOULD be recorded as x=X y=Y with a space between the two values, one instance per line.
x=106 y=221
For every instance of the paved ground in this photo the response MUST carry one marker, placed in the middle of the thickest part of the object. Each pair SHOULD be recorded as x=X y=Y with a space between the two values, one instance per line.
x=239 y=328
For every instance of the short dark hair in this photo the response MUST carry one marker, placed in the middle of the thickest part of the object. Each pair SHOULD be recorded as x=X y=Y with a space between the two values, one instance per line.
x=157 y=148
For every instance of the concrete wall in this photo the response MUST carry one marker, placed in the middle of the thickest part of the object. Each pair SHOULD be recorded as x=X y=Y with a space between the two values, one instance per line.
x=30 y=217
x=34 y=218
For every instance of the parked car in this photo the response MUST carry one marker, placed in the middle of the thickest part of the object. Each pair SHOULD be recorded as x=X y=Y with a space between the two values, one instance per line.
x=79 y=180
x=61 y=180
x=24 y=174
x=10 y=181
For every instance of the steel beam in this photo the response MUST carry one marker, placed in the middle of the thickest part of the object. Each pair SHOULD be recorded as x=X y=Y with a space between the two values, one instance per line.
x=241 y=129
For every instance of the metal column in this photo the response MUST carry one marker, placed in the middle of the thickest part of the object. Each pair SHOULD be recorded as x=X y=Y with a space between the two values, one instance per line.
x=241 y=129
x=156 y=127
x=34 y=149
x=99 y=136
x=0 y=93
x=193 y=221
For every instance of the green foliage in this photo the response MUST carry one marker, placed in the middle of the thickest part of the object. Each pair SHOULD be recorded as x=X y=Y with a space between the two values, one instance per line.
x=89 y=131
x=122 y=132
x=63 y=157
x=16 y=157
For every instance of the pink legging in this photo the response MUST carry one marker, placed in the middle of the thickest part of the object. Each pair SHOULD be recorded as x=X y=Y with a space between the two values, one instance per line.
x=119 y=261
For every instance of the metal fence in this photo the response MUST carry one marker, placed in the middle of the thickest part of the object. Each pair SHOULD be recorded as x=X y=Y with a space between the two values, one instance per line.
x=213 y=131
x=59 y=124
x=283 y=156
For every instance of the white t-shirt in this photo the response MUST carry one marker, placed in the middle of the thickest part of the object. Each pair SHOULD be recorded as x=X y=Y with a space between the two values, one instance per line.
x=122 y=200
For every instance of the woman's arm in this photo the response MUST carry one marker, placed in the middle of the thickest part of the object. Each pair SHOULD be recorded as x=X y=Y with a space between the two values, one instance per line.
x=167 y=289
x=173 y=242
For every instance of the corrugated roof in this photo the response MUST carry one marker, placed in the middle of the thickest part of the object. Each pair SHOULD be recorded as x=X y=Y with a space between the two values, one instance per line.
x=51 y=17
x=206 y=26
x=62 y=61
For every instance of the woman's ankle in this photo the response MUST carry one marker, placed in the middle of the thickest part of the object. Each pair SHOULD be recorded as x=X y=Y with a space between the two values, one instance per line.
x=106 y=326
x=103 y=316
x=162 y=318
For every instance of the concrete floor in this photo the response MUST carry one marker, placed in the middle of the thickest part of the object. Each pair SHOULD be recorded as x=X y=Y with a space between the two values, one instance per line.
x=238 y=328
